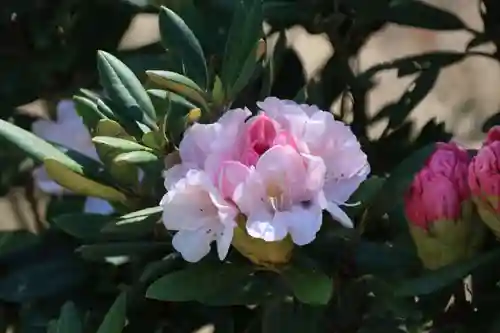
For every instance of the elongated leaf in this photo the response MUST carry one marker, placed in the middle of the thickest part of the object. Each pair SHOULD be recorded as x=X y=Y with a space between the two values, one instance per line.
x=434 y=280
x=125 y=89
x=108 y=127
x=136 y=157
x=248 y=69
x=82 y=226
x=245 y=32
x=309 y=286
x=34 y=146
x=177 y=38
x=179 y=84
x=197 y=282
x=165 y=99
x=101 y=251
x=88 y=111
x=401 y=177
x=115 y=319
x=77 y=183
x=120 y=145
x=69 y=321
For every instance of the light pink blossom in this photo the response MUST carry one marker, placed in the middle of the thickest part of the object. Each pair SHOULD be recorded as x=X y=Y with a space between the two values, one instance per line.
x=196 y=208
x=280 y=168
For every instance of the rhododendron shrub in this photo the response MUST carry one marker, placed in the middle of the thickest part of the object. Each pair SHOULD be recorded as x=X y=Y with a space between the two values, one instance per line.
x=180 y=198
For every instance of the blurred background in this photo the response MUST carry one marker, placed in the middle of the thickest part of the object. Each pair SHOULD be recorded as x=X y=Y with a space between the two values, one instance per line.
x=48 y=51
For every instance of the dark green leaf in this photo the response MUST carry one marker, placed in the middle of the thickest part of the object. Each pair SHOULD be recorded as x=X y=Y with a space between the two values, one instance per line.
x=82 y=226
x=125 y=89
x=245 y=32
x=416 y=13
x=432 y=281
x=69 y=321
x=115 y=319
x=310 y=286
x=178 y=39
x=287 y=315
x=198 y=282
x=101 y=251
x=401 y=177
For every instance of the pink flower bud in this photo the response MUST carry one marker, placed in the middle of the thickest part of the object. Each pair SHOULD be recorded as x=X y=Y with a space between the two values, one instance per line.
x=439 y=209
x=484 y=180
x=440 y=188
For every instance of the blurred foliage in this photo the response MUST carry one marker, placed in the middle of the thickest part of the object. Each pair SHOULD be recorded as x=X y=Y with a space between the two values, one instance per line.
x=69 y=277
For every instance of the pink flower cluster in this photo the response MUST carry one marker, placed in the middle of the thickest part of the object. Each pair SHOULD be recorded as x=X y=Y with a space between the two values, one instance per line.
x=280 y=169
x=451 y=178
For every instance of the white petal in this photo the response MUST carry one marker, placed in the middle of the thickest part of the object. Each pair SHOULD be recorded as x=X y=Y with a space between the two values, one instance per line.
x=339 y=215
x=304 y=224
x=173 y=175
x=192 y=245
x=264 y=225
x=224 y=240
x=97 y=206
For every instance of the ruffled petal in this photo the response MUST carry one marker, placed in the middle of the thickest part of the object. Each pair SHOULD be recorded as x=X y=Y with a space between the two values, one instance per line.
x=193 y=245
x=263 y=225
x=304 y=223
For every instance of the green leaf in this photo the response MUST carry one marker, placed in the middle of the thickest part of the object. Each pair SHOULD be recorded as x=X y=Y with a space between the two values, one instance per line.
x=69 y=320
x=180 y=85
x=101 y=251
x=198 y=282
x=399 y=180
x=288 y=315
x=136 y=157
x=35 y=147
x=177 y=38
x=82 y=226
x=422 y=15
x=157 y=269
x=245 y=32
x=142 y=221
x=308 y=285
x=77 y=183
x=115 y=319
x=435 y=280
x=120 y=145
x=154 y=140
x=125 y=89
x=88 y=111
x=165 y=99
x=364 y=195
x=15 y=240
x=248 y=69
x=43 y=278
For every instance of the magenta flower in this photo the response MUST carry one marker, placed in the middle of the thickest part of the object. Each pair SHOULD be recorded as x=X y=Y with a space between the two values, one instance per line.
x=440 y=188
